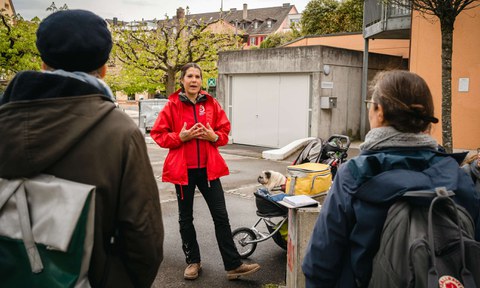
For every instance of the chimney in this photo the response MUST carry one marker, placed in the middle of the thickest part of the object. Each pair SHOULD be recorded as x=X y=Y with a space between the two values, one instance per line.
x=115 y=21
x=245 y=14
x=286 y=5
x=180 y=13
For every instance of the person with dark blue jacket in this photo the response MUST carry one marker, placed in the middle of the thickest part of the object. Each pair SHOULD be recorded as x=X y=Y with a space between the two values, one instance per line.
x=397 y=156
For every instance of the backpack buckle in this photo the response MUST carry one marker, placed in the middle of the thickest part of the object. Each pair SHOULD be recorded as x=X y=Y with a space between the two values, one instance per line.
x=443 y=192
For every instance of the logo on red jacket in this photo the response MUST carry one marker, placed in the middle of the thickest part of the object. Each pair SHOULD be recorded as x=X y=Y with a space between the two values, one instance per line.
x=449 y=282
x=202 y=110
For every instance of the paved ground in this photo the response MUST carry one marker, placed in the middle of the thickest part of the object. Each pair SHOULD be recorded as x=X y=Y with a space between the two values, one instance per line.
x=245 y=164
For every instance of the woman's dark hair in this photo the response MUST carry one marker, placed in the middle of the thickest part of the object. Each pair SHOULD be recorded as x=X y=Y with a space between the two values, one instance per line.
x=406 y=100
x=184 y=69
x=187 y=66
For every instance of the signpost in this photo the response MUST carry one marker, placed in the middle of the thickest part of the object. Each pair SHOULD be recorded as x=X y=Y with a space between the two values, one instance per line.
x=212 y=82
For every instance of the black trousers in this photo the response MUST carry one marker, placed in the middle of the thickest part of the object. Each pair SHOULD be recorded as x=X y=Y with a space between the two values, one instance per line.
x=215 y=198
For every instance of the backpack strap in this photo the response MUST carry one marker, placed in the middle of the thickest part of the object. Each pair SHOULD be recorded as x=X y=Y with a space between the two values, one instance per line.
x=293 y=180
x=429 y=193
x=16 y=187
x=26 y=227
x=443 y=195
x=8 y=188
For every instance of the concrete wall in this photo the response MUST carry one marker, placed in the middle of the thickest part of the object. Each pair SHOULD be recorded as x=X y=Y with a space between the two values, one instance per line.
x=345 y=77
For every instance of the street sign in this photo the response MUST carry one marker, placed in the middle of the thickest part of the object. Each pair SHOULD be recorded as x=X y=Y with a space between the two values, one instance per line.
x=212 y=82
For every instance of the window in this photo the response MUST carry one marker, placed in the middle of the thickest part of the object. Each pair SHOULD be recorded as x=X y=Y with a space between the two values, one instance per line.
x=255 y=25
x=252 y=40
x=269 y=23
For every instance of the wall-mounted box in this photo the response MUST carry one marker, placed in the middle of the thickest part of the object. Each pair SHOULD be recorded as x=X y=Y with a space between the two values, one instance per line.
x=328 y=102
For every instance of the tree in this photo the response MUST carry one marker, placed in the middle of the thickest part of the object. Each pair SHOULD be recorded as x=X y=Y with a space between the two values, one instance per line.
x=160 y=53
x=53 y=8
x=446 y=12
x=349 y=16
x=132 y=82
x=278 y=39
x=317 y=17
x=17 y=45
x=330 y=16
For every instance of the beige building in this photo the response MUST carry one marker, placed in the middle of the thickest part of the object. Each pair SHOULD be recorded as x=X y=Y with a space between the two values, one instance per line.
x=426 y=61
x=6 y=6
x=383 y=21
x=254 y=24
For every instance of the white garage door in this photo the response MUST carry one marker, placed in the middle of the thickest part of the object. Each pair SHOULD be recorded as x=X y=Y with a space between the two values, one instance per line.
x=270 y=110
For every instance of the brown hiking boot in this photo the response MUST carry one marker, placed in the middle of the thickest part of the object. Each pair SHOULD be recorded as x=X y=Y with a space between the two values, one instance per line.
x=192 y=270
x=242 y=270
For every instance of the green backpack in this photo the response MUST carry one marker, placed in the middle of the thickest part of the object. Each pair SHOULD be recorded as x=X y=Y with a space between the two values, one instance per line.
x=46 y=232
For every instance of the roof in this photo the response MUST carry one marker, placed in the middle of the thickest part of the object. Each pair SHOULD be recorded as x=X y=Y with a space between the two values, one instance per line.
x=355 y=41
x=276 y=14
x=235 y=17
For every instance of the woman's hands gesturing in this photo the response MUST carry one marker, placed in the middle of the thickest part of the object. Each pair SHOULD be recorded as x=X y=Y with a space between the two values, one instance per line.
x=197 y=131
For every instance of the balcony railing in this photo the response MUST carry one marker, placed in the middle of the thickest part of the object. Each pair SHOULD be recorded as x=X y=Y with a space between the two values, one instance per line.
x=389 y=20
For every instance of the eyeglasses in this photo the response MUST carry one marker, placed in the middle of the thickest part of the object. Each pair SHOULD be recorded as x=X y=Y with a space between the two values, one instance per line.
x=369 y=103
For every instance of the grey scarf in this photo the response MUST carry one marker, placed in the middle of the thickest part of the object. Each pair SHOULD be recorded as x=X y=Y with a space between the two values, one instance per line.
x=389 y=137
x=87 y=78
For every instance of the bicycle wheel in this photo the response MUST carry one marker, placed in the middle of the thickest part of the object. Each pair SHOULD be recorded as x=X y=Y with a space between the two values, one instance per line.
x=240 y=237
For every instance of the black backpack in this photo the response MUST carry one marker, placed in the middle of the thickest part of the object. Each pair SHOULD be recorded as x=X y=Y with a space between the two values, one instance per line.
x=427 y=245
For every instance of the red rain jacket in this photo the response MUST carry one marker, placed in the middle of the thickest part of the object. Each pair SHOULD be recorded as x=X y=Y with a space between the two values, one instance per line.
x=165 y=132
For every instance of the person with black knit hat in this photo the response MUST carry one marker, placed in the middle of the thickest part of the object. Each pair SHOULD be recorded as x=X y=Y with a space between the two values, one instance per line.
x=62 y=121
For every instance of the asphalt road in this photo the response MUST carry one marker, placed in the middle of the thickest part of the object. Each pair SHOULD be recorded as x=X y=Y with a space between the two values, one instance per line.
x=239 y=188
x=245 y=164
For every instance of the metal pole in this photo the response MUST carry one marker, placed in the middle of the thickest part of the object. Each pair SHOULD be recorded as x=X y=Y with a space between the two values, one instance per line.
x=363 y=111
x=363 y=108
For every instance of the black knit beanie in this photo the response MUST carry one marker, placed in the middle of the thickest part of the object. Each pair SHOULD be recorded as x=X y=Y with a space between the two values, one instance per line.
x=74 y=40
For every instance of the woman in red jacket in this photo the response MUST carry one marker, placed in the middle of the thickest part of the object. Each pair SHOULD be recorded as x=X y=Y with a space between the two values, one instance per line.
x=192 y=125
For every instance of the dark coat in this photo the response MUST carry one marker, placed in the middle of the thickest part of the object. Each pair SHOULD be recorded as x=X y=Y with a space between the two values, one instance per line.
x=65 y=127
x=473 y=170
x=347 y=233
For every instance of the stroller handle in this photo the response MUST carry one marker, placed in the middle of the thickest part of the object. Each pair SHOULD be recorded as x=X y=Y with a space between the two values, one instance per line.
x=343 y=139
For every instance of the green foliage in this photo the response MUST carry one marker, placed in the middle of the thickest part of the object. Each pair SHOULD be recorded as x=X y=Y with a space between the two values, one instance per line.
x=17 y=45
x=158 y=54
x=329 y=16
x=132 y=81
x=278 y=39
x=350 y=16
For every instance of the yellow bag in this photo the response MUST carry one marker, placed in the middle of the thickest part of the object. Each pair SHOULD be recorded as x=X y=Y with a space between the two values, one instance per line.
x=308 y=179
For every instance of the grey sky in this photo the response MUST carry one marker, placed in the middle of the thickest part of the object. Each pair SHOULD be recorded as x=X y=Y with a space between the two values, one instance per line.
x=147 y=9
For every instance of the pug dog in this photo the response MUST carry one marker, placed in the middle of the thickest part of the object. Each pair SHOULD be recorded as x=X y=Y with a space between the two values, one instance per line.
x=272 y=180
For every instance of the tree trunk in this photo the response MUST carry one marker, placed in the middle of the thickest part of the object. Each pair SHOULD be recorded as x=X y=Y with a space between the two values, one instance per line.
x=170 y=85
x=447 y=48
